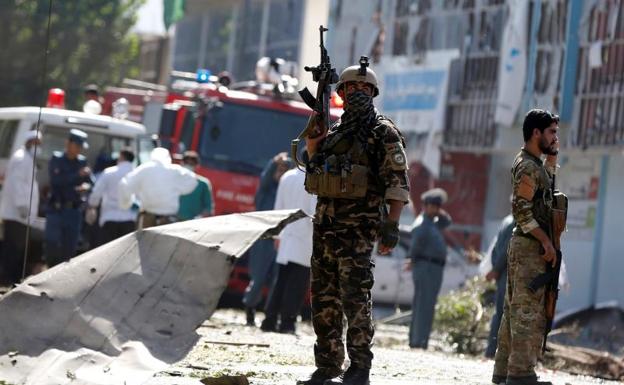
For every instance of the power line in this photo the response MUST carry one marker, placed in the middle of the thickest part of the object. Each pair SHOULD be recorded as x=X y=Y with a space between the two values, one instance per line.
x=32 y=180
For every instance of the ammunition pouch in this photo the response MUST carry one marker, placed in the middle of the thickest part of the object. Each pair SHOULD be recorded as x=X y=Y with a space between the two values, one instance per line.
x=349 y=183
x=342 y=171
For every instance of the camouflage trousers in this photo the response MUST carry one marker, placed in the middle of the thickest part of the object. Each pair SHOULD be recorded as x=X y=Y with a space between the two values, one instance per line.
x=341 y=283
x=521 y=332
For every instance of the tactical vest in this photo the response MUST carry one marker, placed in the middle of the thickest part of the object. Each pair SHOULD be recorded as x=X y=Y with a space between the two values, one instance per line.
x=344 y=174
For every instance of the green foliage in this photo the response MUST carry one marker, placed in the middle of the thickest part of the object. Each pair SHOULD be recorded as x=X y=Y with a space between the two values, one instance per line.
x=89 y=43
x=463 y=318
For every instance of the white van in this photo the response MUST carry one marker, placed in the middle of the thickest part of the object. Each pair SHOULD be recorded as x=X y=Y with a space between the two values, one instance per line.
x=107 y=136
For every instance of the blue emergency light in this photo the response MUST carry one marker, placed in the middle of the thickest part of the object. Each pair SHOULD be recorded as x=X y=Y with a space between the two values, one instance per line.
x=203 y=75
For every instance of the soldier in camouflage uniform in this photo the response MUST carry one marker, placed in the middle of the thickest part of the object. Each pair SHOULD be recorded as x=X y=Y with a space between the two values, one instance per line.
x=521 y=332
x=356 y=168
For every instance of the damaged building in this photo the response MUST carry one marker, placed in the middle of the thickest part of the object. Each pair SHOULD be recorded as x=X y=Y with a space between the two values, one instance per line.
x=458 y=75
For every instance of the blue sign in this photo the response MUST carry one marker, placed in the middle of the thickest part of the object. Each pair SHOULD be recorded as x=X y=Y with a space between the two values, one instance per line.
x=415 y=90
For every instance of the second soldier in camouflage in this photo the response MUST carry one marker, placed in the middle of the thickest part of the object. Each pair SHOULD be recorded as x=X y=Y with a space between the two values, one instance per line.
x=521 y=332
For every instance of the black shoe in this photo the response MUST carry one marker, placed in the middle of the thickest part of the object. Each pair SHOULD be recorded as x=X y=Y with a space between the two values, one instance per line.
x=353 y=376
x=250 y=312
x=318 y=377
x=287 y=327
x=496 y=379
x=526 y=380
x=287 y=330
x=268 y=326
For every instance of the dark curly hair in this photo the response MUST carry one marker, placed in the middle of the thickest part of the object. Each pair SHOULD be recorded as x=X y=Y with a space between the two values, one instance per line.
x=537 y=118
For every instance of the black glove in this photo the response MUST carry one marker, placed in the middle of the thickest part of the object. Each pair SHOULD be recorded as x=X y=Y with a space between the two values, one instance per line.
x=389 y=234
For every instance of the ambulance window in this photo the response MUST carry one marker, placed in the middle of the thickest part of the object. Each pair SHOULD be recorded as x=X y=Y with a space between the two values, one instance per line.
x=100 y=154
x=117 y=144
x=242 y=139
x=8 y=128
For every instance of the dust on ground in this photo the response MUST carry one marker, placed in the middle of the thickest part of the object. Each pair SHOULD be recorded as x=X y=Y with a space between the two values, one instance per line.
x=228 y=347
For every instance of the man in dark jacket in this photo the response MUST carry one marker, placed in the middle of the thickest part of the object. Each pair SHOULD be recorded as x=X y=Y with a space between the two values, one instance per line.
x=70 y=180
x=262 y=254
x=499 y=274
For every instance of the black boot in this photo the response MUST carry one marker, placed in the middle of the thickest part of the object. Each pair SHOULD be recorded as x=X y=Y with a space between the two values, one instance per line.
x=319 y=377
x=268 y=325
x=287 y=327
x=353 y=376
x=496 y=379
x=525 y=380
x=250 y=312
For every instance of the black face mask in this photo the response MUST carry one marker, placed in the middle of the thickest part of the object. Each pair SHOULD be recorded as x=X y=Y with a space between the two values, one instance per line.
x=358 y=101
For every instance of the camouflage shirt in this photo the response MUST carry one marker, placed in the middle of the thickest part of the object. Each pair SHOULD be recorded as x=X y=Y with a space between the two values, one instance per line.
x=531 y=181
x=387 y=175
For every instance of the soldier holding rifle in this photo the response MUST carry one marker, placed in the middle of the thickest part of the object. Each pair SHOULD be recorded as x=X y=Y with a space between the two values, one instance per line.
x=356 y=168
x=534 y=256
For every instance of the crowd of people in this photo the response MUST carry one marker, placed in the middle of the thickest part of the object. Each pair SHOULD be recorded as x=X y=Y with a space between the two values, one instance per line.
x=114 y=202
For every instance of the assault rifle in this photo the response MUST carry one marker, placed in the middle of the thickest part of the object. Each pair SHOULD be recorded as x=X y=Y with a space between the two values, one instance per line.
x=325 y=76
x=550 y=278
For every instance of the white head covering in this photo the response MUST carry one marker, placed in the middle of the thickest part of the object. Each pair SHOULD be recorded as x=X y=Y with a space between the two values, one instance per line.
x=161 y=155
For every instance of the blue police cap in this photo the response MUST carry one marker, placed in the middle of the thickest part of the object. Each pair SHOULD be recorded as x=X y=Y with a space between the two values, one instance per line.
x=78 y=137
x=435 y=196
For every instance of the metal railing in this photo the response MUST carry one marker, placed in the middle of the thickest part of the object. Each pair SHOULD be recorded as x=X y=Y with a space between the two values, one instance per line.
x=600 y=91
x=472 y=101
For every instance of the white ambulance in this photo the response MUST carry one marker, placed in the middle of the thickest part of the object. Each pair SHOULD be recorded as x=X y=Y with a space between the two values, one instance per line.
x=107 y=136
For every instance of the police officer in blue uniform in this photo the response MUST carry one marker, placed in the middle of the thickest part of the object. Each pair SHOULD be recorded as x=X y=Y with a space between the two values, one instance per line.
x=428 y=257
x=70 y=179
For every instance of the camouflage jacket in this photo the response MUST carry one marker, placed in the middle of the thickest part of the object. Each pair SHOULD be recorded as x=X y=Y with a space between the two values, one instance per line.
x=387 y=176
x=531 y=204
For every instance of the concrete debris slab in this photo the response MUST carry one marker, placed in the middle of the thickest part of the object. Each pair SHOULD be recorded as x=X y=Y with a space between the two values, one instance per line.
x=119 y=313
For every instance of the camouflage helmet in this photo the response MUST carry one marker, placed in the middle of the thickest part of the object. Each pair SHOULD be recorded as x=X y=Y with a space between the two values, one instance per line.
x=353 y=74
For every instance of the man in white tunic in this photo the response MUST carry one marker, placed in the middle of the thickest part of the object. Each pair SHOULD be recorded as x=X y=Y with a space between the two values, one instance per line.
x=20 y=199
x=114 y=221
x=293 y=255
x=157 y=185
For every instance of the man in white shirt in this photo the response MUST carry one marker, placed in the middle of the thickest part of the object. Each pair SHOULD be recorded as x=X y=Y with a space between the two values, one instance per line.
x=157 y=185
x=20 y=199
x=114 y=221
x=293 y=255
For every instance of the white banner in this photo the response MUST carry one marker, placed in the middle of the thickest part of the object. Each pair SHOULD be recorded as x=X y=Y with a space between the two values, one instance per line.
x=414 y=96
x=513 y=63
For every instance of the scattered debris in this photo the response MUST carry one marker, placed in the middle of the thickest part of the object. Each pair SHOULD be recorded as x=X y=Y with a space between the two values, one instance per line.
x=138 y=310
x=599 y=327
x=261 y=345
x=584 y=361
x=225 y=380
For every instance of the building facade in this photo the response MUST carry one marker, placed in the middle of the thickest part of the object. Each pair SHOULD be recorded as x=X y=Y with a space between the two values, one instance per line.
x=498 y=59
x=233 y=35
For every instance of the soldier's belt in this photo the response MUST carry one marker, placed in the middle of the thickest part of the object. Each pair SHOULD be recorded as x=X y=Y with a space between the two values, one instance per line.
x=346 y=185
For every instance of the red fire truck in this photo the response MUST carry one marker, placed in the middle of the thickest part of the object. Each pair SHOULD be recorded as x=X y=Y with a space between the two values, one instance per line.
x=235 y=130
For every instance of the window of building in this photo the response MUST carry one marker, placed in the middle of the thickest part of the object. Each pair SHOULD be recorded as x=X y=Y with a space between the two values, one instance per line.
x=187 y=44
